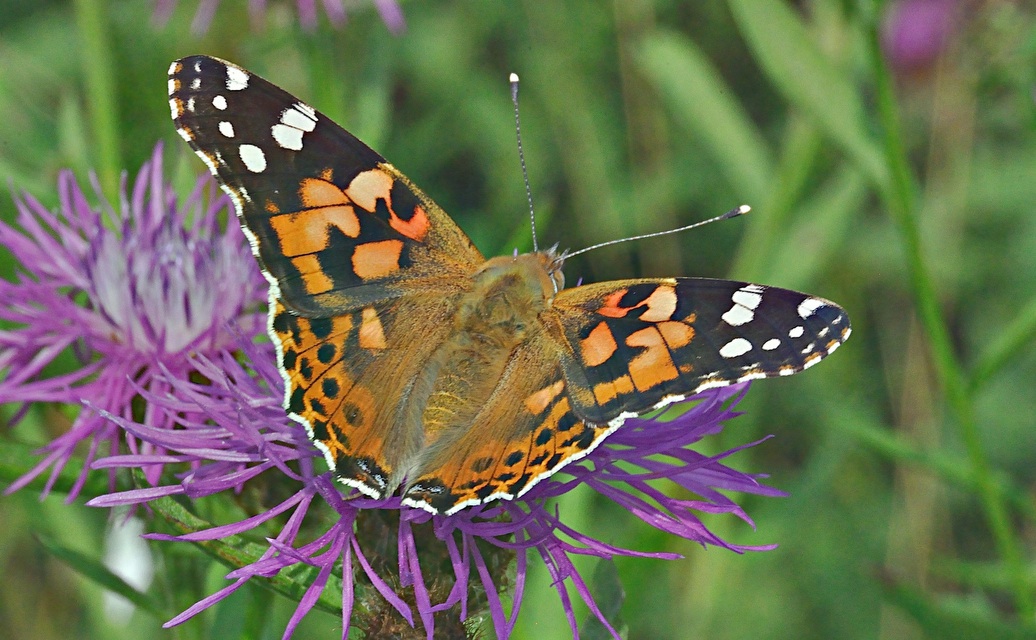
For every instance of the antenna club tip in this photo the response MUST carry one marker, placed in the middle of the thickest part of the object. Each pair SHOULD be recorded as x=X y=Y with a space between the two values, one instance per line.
x=513 y=78
x=743 y=209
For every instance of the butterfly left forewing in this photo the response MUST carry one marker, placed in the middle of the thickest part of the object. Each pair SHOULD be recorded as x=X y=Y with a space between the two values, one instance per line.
x=332 y=223
x=640 y=344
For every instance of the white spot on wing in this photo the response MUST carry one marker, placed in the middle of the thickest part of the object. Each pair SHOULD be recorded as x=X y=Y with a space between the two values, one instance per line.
x=796 y=332
x=746 y=298
x=736 y=347
x=219 y=102
x=253 y=157
x=172 y=86
x=287 y=137
x=296 y=121
x=237 y=78
x=196 y=84
x=226 y=128
x=301 y=116
x=771 y=344
x=738 y=315
x=809 y=305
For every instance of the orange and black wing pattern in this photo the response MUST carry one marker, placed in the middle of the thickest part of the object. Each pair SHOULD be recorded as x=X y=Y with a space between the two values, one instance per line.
x=364 y=268
x=525 y=432
x=334 y=226
x=636 y=345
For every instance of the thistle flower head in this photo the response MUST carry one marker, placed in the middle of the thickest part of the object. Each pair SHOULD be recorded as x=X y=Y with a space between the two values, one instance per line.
x=130 y=291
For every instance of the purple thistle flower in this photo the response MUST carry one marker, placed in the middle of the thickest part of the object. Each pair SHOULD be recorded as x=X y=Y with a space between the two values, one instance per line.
x=232 y=429
x=389 y=10
x=131 y=293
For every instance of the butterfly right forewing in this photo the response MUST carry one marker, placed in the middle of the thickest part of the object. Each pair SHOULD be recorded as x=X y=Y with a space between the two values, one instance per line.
x=641 y=344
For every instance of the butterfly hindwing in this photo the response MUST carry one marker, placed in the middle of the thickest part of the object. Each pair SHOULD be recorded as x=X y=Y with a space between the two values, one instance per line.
x=525 y=431
x=348 y=386
x=639 y=344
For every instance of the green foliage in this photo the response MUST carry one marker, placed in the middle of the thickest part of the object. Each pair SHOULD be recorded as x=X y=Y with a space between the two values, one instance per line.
x=905 y=194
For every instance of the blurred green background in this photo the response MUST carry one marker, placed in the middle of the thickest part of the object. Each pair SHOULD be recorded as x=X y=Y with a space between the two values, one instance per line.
x=887 y=150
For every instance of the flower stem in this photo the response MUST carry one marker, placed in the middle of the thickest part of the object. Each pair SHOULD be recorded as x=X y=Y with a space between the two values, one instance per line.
x=102 y=103
x=900 y=199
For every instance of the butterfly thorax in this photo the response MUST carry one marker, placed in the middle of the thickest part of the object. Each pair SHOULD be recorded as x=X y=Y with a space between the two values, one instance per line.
x=496 y=315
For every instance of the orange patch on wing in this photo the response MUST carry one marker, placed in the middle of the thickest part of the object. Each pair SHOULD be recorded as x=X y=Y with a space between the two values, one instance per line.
x=376 y=259
x=653 y=366
x=271 y=208
x=306 y=231
x=368 y=186
x=676 y=334
x=416 y=228
x=372 y=335
x=605 y=392
x=598 y=345
x=661 y=304
x=313 y=276
x=315 y=193
x=611 y=307
x=537 y=402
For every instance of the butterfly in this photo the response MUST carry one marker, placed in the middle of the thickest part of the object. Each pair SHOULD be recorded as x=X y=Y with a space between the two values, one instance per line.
x=418 y=366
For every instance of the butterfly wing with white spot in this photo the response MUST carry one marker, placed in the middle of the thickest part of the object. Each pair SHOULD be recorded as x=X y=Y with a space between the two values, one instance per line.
x=640 y=344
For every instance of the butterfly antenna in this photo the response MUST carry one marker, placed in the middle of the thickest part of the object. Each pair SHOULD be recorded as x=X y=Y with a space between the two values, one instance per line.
x=733 y=213
x=521 y=157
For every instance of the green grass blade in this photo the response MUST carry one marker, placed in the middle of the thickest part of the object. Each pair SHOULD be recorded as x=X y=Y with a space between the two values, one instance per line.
x=704 y=105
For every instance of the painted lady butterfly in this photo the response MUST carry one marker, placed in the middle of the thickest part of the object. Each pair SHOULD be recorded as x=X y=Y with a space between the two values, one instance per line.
x=413 y=361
